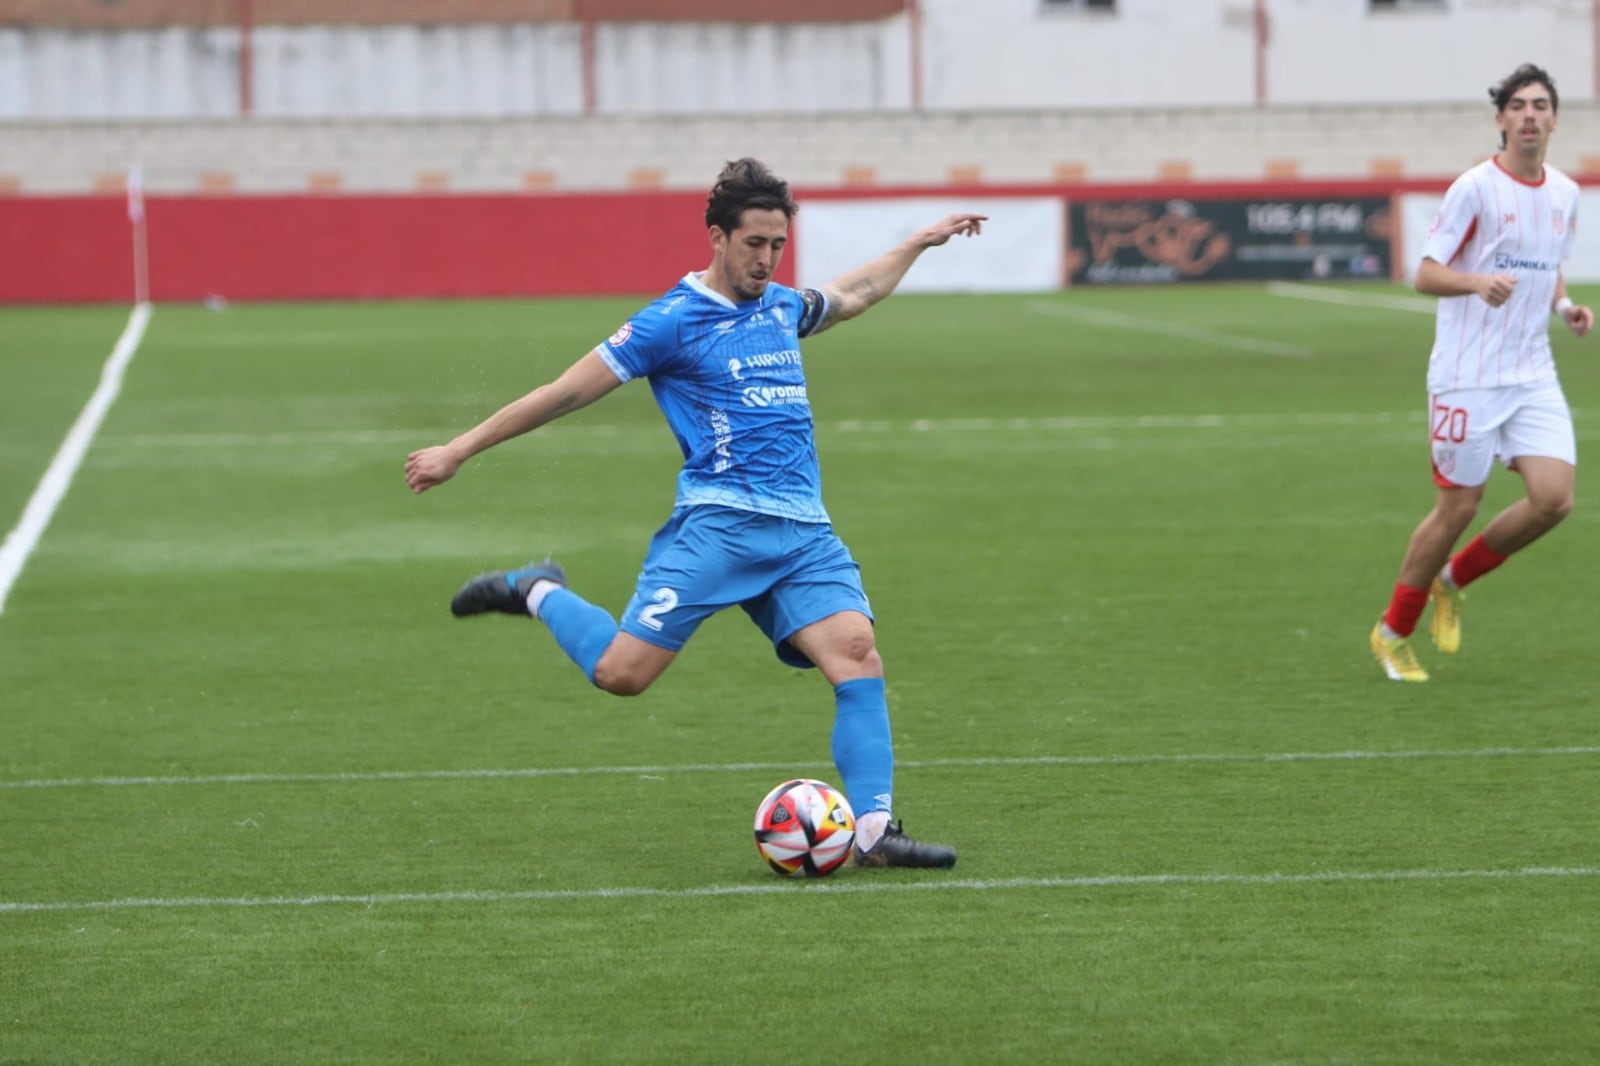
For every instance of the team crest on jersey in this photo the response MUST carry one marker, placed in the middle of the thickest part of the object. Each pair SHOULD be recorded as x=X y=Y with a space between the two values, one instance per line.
x=620 y=337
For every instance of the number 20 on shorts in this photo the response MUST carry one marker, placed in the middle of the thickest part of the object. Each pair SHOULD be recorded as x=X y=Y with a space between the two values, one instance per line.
x=1449 y=423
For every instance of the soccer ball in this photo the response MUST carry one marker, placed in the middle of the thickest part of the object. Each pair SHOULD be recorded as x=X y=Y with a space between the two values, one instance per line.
x=805 y=828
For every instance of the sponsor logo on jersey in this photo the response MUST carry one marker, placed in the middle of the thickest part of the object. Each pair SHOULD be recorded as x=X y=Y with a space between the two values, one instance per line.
x=737 y=368
x=787 y=357
x=620 y=337
x=723 y=429
x=770 y=395
x=1502 y=261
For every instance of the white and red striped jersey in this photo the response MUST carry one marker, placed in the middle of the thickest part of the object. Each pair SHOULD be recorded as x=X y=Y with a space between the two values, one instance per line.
x=1494 y=223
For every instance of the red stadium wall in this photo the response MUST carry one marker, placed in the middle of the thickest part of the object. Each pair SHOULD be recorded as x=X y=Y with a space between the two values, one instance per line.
x=80 y=249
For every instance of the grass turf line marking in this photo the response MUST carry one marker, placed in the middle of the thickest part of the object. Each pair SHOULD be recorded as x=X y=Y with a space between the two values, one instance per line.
x=1323 y=294
x=1094 y=423
x=1119 y=320
x=826 y=887
x=52 y=488
x=1103 y=423
x=359 y=777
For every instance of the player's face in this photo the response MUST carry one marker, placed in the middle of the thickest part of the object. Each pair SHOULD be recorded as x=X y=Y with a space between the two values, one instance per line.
x=748 y=257
x=1528 y=119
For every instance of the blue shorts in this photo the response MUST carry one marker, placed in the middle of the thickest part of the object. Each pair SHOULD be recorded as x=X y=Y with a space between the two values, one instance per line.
x=785 y=574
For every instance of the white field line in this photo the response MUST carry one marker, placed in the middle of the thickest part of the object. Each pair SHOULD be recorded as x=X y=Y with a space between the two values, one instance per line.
x=286 y=339
x=1130 y=423
x=359 y=777
x=770 y=888
x=1067 y=423
x=52 y=488
x=1325 y=294
x=1150 y=324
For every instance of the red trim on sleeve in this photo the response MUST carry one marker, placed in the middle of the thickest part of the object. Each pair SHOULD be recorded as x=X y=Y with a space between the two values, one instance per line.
x=1472 y=231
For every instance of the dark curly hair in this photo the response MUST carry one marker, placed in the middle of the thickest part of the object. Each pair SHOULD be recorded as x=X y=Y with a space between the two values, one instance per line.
x=743 y=184
x=1523 y=76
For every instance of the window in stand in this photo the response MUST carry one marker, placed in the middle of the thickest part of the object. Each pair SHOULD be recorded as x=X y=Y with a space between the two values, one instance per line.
x=1109 y=6
x=1408 y=5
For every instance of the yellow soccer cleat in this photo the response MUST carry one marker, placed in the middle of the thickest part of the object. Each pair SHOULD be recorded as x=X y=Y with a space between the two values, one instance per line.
x=1445 y=625
x=1394 y=654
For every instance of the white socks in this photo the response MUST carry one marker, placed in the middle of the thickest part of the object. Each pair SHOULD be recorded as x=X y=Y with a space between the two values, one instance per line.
x=541 y=588
x=869 y=827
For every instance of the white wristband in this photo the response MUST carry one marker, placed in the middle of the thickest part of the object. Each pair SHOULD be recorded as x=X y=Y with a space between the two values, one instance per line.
x=1563 y=305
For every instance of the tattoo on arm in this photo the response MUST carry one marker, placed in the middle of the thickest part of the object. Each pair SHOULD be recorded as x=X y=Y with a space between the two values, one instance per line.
x=850 y=302
x=830 y=316
x=865 y=290
x=842 y=303
x=825 y=308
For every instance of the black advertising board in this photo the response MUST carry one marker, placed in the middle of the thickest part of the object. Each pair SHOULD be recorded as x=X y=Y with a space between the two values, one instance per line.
x=1120 y=242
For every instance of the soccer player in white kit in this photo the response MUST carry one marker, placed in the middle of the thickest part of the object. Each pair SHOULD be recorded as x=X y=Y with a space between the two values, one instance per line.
x=1493 y=257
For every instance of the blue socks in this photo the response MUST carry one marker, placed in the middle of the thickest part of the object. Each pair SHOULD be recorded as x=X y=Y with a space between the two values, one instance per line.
x=861 y=747
x=583 y=630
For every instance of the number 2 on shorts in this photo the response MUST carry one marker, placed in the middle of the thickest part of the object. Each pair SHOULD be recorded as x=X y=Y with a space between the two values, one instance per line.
x=665 y=600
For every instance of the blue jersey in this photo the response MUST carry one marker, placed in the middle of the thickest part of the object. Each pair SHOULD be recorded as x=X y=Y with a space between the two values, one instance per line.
x=729 y=379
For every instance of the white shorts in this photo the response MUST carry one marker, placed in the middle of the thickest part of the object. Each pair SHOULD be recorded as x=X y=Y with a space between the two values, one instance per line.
x=1468 y=429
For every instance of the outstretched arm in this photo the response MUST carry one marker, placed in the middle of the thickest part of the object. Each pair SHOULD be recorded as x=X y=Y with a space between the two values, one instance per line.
x=581 y=384
x=852 y=293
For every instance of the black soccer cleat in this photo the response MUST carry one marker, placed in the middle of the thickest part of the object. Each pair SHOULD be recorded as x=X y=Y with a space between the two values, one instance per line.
x=504 y=590
x=894 y=848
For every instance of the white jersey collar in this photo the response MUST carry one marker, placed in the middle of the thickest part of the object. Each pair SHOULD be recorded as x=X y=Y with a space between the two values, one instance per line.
x=692 y=279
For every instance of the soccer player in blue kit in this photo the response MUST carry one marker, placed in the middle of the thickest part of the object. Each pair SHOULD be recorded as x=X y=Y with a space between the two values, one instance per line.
x=748 y=528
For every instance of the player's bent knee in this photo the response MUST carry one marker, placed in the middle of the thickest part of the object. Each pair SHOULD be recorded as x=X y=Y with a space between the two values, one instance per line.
x=860 y=648
x=630 y=666
x=1459 y=508
x=1553 y=509
x=855 y=660
x=869 y=657
x=620 y=682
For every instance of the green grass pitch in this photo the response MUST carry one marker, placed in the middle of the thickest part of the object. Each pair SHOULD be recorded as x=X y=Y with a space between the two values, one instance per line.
x=262 y=800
